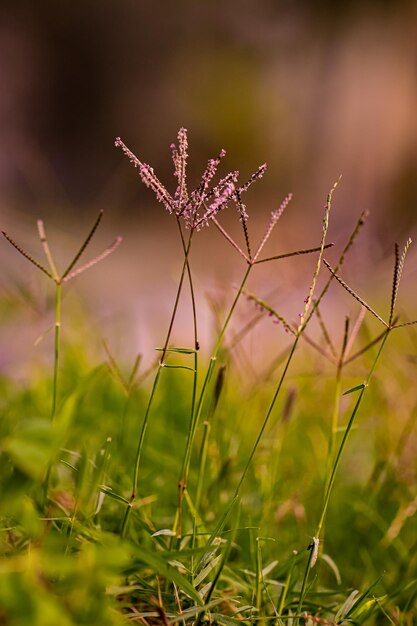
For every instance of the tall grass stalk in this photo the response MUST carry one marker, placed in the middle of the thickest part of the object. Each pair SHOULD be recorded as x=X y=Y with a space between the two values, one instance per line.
x=201 y=399
x=309 y=308
x=186 y=207
x=58 y=280
x=390 y=326
x=182 y=482
x=328 y=491
x=57 y=341
x=251 y=261
x=156 y=380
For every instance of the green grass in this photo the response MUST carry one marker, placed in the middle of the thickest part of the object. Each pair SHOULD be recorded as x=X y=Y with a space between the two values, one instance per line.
x=193 y=493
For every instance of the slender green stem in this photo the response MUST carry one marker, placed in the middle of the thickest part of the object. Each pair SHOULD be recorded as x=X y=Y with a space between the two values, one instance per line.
x=346 y=435
x=224 y=518
x=182 y=483
x=138 y=454
x=335 y=419
x=203 y=460
x=285 y=588
x=267 y=416
x=152 y=395
x=58 y=298
x=231 y=311
x=330 y=484
x=177 y=299
x=198 y=409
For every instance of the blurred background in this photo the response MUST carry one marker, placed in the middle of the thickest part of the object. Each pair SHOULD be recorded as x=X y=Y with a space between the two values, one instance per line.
x=315 y=89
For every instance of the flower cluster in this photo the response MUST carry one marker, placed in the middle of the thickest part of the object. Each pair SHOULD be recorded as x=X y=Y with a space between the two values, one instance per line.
x=198 y=207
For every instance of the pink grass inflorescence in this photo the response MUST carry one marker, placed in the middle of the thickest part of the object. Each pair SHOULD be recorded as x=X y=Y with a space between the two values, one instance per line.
x=197 y=208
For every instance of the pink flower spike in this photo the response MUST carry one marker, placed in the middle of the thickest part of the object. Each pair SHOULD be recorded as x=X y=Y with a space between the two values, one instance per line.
x=148 y=177
x=132 y=158
x=275 y=215
x=258 y=174
x=180 y=157
x=220 y=202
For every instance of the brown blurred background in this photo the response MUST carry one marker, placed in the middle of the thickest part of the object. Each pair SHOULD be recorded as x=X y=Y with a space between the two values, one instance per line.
x=316 y=89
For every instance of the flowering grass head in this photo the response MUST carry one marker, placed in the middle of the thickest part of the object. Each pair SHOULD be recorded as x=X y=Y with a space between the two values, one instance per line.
x=198 y=207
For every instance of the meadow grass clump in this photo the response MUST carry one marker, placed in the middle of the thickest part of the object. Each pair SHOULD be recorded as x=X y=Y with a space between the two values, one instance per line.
x=202 y=496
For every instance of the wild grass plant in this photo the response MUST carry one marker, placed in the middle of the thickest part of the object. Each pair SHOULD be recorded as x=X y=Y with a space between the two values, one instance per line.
x=177 y=493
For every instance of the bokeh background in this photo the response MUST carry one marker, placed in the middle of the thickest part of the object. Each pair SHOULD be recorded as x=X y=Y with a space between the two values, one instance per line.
x=314 y=88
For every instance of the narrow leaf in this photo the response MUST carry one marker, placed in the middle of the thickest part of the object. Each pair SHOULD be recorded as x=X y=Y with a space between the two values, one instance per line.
x=109 y=492
x=353 y=389
x=164 y=531
x=161 y=568
x=177 y=350
x=206 y=570
x=330 y=562
x=178 y=367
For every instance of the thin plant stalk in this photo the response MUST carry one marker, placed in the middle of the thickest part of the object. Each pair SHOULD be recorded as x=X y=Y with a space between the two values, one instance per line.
x=202 y=466
x=335 y=467
x=336 y=403
x=57 y=340
x=309 y=309
x=236 y=496
x=59 y=279
x=310 y=306
x=138 y=454
x=390 y=325
x=206 y=434
x=182 y=483
x=346 y=435
x=145 y=422
x=199 y=405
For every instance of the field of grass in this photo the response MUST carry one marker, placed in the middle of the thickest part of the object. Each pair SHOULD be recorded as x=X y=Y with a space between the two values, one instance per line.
x=189 y=492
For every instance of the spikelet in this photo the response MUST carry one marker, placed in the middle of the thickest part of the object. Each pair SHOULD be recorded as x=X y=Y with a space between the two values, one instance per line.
x=84 y=245
x=69 y=272
x=116 y=243
x=275 y=215
x=27 y=256
x=243 y=220
x=148 y=177
x=179 y=157
x=186 y=205
x=398 y=270
x=309 y=298
x=271 y=312
x=354 y=294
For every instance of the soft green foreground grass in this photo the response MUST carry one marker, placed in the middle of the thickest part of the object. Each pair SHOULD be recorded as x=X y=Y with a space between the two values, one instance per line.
x=63 y=561
x=198 y=494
